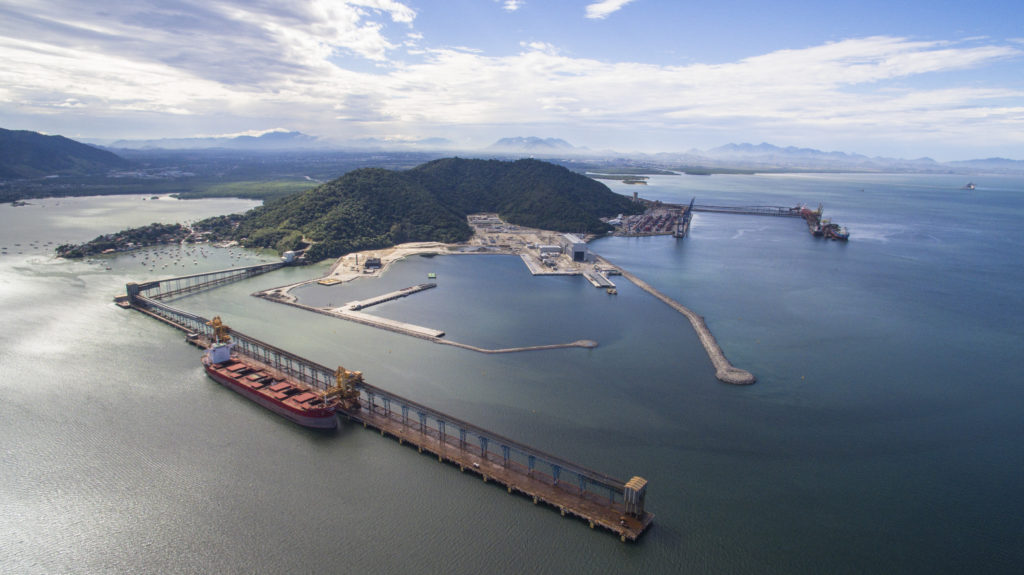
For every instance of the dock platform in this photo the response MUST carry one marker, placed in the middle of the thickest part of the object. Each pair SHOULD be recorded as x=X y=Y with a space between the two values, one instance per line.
x=598 y=279
x=388 y=324
x=608 y=511
x=362 y=304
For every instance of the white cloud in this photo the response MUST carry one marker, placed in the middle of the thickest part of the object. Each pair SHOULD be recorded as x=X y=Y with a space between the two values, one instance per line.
x=511 y=5
x=601 y=10
x=330 y=67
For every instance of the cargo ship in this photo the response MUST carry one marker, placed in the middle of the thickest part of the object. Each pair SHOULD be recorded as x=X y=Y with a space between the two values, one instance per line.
x=297 y=402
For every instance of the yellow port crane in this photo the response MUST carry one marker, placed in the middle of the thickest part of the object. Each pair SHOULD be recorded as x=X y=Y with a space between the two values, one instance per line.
x=220 y=331
x=345 y=388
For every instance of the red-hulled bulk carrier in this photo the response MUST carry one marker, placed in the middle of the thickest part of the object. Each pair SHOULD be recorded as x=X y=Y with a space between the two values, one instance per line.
x=283 y=395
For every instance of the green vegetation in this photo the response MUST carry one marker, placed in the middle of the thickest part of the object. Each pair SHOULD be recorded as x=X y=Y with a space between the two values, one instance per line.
x=702 y=171
x=620 y=177
x=253 y=190
x=372 y=208
x=603 y=171
x=126 y=239
x=25 y=154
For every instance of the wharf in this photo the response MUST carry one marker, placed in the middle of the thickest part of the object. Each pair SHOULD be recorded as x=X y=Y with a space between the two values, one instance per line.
x=598 y=279
x=358 y=305
x=597 y=509
x=537 y=269
x=388 y=324
x=777 y=211
x=576 y=491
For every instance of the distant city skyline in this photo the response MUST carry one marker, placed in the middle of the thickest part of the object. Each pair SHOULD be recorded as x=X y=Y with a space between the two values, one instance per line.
x=937 y=79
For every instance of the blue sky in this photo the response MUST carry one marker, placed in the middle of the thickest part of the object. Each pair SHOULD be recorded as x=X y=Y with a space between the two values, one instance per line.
x=907 y=79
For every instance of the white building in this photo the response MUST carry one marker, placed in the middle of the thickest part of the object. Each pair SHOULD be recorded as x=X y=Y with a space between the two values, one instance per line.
x=574 y=247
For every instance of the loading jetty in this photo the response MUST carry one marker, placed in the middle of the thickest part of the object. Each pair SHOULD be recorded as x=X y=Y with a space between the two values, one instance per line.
x=572 y=489
x=664 y=218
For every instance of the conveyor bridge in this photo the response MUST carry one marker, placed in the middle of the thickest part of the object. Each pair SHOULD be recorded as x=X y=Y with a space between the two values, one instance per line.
x=575 y=490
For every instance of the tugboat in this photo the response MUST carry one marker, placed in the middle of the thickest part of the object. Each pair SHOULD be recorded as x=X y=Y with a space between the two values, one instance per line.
x=834 y=231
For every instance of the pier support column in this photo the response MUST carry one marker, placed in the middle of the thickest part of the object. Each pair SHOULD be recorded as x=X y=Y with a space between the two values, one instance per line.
x=483 y=446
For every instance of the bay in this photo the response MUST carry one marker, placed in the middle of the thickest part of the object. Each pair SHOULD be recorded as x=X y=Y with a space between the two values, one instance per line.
x=882 y=434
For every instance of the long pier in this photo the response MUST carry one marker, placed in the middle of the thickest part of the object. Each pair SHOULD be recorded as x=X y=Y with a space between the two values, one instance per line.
x=170 y=287
x=601 y=500
x=358 y=305
x=777 y=211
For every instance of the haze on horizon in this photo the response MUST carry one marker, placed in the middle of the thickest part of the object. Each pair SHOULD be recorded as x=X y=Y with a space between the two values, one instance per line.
x=937 y=79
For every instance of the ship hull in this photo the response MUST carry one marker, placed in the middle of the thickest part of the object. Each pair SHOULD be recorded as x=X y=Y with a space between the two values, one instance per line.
x=323 y=418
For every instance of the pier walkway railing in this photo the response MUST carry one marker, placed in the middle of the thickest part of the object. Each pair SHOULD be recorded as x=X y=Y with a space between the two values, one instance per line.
x=181 y=285
x=778 y=211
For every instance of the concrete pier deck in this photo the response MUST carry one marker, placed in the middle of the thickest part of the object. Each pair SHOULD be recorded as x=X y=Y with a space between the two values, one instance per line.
x=597 y=510
x=389 y=324
x=598 y=279
x=362 y=304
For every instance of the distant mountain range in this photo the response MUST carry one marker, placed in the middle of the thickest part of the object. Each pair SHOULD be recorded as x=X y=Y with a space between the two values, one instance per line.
x=532 y=145
x=25 y=154
x=277 y=140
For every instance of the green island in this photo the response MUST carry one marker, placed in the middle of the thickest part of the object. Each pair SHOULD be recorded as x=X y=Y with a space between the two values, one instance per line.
x=372 y=208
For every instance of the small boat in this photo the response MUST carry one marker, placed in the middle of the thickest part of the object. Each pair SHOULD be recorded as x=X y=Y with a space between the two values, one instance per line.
x=611 y=291
x=969 y=186
x=432 y=276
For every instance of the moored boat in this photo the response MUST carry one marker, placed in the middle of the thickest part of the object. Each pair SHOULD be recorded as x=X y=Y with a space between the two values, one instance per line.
x=285 y=396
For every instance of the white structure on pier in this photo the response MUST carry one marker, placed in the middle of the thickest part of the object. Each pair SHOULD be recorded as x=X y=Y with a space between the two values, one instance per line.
x=574 y=247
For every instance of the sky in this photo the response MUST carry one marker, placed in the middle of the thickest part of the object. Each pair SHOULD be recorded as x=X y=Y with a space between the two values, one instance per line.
x=935 y=78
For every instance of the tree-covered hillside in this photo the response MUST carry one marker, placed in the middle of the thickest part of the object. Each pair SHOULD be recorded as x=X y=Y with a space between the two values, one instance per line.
x=25 y=154
x=372 y=207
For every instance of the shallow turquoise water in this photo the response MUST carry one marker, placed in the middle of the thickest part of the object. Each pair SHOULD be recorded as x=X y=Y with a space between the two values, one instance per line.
x=882 y=435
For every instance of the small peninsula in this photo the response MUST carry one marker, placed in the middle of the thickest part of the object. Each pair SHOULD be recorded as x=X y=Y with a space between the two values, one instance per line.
x=374 y=208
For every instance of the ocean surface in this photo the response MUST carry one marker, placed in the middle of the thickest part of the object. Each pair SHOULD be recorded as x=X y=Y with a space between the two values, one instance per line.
x=883 y=435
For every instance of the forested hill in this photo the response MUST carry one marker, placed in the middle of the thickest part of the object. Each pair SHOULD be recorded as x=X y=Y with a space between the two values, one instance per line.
x=372 y=207
x=25 y=154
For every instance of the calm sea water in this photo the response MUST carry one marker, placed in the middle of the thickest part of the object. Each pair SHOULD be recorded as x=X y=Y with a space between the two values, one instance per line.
x=883 y=434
